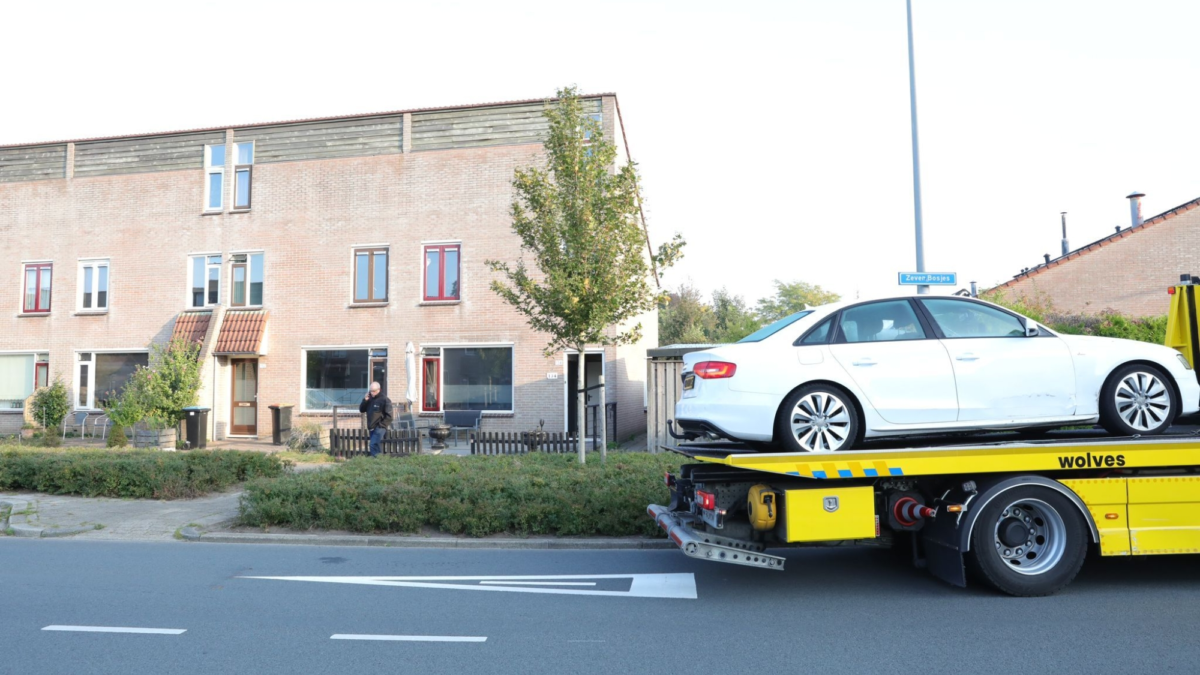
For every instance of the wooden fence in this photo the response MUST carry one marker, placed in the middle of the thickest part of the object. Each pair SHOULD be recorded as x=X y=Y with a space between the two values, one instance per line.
x=356 y=442
x=516 y=443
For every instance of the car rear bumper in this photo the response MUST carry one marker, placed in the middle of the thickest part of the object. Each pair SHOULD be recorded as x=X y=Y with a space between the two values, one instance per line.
x=745 y=417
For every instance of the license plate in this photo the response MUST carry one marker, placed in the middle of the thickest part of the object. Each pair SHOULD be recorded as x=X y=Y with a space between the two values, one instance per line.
x=689 y=381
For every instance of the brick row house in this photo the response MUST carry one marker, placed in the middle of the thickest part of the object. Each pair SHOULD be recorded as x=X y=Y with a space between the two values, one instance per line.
x=306 y=257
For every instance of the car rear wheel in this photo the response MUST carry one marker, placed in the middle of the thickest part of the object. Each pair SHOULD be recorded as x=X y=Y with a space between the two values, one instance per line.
x=818 y=418
x=1137 y=400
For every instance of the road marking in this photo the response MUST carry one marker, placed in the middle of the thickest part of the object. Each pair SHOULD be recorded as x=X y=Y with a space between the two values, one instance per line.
x=118 y=629
x=409 y=638
x=675 y=586
x=540 y=583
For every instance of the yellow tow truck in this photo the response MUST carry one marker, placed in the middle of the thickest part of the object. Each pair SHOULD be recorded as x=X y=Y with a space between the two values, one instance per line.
x=1019 y=516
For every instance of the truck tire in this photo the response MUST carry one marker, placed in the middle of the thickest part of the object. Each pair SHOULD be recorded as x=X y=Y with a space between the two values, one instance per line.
x=818 y=418
x=1028 y=541
x=1138 y=399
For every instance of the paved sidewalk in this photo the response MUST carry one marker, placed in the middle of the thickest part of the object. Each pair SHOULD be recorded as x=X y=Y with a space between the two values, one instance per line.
x=124 y=519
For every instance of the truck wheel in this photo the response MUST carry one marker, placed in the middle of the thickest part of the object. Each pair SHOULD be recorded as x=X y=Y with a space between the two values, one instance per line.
x=1028 y=541
x=1137 y=399
x=818 y=418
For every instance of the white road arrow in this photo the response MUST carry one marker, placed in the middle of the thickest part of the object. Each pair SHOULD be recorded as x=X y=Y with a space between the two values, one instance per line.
x=678 y=586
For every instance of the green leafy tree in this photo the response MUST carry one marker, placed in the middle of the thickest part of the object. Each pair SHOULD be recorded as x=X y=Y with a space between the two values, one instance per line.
x=159 y=393
x=684 y=318
x=51 y=404
x=578 y=217
x=792 y=297
x=733 y=319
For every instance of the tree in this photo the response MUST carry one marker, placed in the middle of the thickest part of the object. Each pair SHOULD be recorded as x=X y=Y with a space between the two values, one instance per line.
x=791 y=298
x=161 y=391
x=733 y=319
x=684 y=317
x=577 y=216
x=51 y=404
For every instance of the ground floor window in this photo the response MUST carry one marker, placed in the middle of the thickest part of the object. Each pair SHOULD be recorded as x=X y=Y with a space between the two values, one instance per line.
x=467 y=378
x=340 y=377
x=19 y=374
x=101 y=376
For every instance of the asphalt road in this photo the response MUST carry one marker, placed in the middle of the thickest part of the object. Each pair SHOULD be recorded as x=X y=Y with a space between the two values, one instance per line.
x=833 y=611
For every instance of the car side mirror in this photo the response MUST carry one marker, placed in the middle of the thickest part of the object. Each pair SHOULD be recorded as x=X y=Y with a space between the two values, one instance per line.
x=1031 y=330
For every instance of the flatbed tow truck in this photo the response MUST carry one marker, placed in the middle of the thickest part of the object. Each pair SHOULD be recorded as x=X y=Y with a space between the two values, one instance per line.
x=1019 y=516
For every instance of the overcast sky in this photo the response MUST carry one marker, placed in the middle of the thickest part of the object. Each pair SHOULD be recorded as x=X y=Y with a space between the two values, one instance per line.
x=774 y=136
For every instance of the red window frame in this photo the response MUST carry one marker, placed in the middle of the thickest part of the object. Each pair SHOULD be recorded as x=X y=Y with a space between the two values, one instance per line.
x=425 y=383
x=440 y=293
x=37 y=301
x=39 y=368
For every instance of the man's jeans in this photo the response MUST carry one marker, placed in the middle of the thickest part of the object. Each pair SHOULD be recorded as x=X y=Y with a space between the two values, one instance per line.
x=377 y=440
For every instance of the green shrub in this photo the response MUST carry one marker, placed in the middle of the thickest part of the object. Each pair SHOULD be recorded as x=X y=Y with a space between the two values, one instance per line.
x=536 y=494
x=117 y=438
x=51 y=404
x=146 y=474
x=1107 y=323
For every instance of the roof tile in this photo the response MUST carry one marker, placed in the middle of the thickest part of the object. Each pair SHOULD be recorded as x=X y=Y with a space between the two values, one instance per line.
x=242 y=332
x=192 y=326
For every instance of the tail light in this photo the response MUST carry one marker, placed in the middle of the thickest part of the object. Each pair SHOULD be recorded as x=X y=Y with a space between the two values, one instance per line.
x=714 y=370
x=669 y=479
x=706 y=500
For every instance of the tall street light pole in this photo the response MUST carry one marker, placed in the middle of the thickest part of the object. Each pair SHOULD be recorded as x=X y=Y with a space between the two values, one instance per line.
x=916 y=153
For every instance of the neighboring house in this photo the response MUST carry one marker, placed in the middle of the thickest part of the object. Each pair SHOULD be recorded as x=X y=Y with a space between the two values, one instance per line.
x=1127 y=271
x=305 y=256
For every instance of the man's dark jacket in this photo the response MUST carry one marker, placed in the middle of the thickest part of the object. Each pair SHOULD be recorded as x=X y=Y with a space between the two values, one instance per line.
x=378 y=410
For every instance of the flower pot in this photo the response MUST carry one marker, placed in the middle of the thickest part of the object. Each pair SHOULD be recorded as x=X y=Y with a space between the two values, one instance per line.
x=149 y=438
x=27 y=433
x=439 y=433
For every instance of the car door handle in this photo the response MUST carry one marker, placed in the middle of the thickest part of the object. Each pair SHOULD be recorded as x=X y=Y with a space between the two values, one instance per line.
x=863 y=362
x=967 y=357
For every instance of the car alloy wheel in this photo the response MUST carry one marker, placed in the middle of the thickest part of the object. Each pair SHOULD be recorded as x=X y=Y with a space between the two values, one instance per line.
x=820 y=422
x=1142 y=400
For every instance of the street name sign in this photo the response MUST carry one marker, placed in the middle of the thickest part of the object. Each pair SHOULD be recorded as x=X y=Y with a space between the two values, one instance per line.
x=928 y=278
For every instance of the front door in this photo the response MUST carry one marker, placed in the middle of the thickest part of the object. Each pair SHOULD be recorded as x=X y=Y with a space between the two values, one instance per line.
x=379 y=373
x=592 y=375
x=245 y=397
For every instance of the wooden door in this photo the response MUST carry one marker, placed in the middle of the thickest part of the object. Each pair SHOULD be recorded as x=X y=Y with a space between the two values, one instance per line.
x=244 y=415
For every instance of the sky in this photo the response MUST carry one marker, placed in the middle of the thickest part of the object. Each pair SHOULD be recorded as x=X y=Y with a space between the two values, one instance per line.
x=774 y=136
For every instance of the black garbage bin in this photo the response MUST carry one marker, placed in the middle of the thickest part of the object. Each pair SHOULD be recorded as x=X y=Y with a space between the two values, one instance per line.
x=281 y=422
x=196 y=427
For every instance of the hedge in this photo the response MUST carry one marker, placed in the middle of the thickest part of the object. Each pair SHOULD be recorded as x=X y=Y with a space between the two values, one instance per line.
x=536 y=494
x=144 y=474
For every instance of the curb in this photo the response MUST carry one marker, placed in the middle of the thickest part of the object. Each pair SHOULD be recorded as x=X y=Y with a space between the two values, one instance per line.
x=20 y=528
x=544 y=543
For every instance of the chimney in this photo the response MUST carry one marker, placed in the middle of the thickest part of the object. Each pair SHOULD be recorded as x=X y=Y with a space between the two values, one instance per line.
x=1135 y=208
x=1118 y=229
x=1047 y=257
x=1066 y=248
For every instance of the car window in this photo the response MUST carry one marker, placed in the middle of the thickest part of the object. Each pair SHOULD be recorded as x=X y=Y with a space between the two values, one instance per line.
x=771 y=329
x=886 y=321
x=820 y=334
x=960 y=319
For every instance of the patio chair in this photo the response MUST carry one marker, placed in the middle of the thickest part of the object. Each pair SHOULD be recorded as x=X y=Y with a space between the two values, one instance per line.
x=462 y=420
x=103 y=423
x=407 y=420
x=80 y=422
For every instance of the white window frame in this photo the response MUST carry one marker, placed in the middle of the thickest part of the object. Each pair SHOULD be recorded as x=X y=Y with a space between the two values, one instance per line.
x=34 y=353
x=512 y=346
x=247 y=304
x=304 y=349
x=209 y=170
x=236 y=166
x=95 y=264
x=187 y=302
x=75 y=366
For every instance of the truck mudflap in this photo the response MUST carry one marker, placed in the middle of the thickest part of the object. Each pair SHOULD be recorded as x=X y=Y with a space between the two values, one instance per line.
x=705 y=546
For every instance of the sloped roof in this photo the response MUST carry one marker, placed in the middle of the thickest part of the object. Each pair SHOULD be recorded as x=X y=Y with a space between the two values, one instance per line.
x=192 y=326
x=242 y=332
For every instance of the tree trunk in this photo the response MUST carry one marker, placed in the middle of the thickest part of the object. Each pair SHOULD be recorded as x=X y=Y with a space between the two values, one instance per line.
x=581 y=403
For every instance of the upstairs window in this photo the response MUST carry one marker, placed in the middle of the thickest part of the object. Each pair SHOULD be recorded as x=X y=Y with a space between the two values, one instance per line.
x=242 y=171
x=214 y=177
x=370 y=274
x=37 y=288
x=205 y=275
x=441 y=272
x=93 y=285
x=247 y=280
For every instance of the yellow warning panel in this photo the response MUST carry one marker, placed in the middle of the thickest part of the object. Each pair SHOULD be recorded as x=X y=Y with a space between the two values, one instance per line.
x=830 y=513
x=1105 y=499
x=1164 y=515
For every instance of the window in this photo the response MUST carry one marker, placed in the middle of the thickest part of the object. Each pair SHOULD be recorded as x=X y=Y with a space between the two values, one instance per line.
x=247 y=280
x=335 y=377
x=886 y=321
x=962 y=319
x=370 y=274
x=441 y=272
x=93 y=285
x=818 y=335
x=18 y=377
x=242 y=171
x=37 y=288
x=773 y=328
x=214 y=177
x=41 y=371
x=467 y=378
x=205 y=275
x=100 y=377
x=587 y=132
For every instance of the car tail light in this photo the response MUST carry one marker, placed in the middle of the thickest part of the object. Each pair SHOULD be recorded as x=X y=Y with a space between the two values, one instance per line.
x=669 y=479
x=707 y=500
x=714 y=370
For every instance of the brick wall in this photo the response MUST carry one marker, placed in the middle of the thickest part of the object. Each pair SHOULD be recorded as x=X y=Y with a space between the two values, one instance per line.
x=1129 y=273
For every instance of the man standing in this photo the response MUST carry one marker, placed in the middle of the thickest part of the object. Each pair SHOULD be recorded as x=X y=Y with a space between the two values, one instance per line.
x=379 y=415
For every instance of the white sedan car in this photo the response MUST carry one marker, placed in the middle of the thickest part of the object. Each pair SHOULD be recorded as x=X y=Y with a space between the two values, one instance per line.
x=825 y=379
